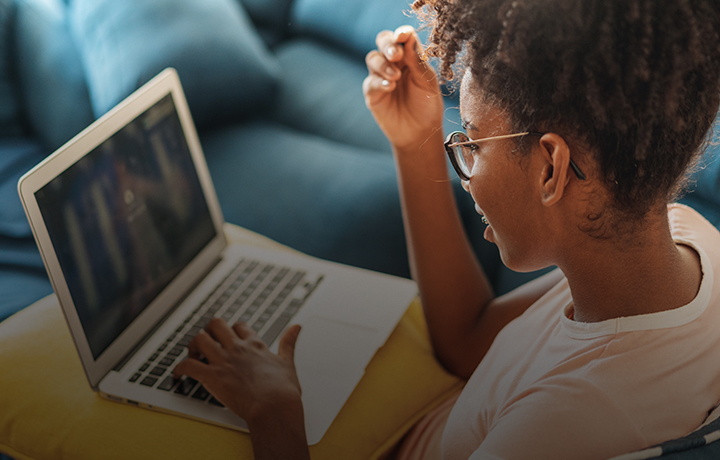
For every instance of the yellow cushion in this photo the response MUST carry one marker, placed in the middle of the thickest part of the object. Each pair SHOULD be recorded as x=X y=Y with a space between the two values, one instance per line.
x=47 y=409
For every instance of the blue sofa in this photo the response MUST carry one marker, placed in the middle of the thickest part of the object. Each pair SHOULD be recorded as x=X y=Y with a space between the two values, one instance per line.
x=275 y=91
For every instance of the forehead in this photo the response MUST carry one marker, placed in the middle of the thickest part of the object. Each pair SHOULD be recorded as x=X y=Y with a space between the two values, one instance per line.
x=477 y=112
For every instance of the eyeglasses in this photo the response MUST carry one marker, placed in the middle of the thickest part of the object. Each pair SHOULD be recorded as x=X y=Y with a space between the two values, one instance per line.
x=460 y=150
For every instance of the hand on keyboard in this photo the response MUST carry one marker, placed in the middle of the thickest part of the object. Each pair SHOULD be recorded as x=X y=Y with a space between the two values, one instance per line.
x=242 y=373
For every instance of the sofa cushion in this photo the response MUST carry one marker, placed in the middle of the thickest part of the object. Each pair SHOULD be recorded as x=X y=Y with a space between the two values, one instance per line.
x=223 y=64
x=272 y=14
x=23 y=279
x=350 y=24
x=9 y=125
x=321 y=93
x=51 y=77
x=17 y=156
x=325 y=198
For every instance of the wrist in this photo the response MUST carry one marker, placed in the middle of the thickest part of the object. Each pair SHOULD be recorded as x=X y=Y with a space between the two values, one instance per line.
x=427 y=141
x=277 y=430
x=426 y=156
x=264 y=413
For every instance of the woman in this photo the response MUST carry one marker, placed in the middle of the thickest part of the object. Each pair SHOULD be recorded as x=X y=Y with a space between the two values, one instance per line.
x=581 y=119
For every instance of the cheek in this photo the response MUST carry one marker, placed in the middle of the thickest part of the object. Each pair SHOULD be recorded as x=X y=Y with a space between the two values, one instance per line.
x=487 y=187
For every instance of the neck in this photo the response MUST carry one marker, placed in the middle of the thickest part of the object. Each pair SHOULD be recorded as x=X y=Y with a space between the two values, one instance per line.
x=611 y=280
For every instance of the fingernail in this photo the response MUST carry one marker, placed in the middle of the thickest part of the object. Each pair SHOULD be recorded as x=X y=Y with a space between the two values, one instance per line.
x=391 y=51
x=385 y=83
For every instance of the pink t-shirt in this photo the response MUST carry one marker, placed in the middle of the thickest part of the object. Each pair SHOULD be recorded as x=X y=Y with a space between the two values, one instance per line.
x=553 y=388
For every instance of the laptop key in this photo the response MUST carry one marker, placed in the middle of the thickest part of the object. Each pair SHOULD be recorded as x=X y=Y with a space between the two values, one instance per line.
x=201 y=393
x=135 y=377
x=185 y=341
x=166 y=361
x=186 y=386
x=144 y=367
x=175 y=351
x=148 y=381
x=168 y=383
x=158 y=370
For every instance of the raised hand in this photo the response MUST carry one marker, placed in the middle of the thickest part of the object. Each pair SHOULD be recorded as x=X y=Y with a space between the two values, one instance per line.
x=402 y=90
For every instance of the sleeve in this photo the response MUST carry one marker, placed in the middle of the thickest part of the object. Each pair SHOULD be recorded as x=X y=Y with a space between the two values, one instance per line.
x=561 y=419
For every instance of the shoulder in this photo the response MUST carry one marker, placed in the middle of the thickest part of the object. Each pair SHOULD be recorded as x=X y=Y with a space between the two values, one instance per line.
x=562 y=418
x=686 y=223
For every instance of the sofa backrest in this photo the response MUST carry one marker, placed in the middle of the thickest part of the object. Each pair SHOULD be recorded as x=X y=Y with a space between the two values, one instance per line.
x=350 y=24
x=223 y=64
x=9 y=109
x=51 y=78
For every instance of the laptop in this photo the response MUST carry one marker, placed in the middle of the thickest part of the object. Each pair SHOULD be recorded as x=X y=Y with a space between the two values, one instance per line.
x=131 y=233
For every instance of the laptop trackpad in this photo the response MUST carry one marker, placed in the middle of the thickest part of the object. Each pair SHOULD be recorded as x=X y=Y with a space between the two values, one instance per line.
x=330 y=357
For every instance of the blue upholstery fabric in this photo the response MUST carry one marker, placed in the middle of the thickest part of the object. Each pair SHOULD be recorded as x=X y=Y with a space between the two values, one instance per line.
x=224 y=66
x=326 y=83
x=350 y=24
x=23 y=279
x=323 y=81
x=272 y=14
x=18 y=157
x=9 y=125
x=51 y=76
x=22 y=275
x=318 y=196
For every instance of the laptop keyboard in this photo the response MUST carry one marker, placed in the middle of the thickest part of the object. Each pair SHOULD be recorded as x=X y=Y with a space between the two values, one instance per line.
x=265 y=296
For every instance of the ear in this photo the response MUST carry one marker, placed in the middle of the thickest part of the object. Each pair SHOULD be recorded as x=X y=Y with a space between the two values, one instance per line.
x=554 y=173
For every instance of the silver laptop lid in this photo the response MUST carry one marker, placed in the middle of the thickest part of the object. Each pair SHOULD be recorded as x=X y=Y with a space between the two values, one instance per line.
x=127 y=221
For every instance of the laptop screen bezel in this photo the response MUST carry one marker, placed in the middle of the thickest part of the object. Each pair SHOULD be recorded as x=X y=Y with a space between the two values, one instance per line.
x=165 y=83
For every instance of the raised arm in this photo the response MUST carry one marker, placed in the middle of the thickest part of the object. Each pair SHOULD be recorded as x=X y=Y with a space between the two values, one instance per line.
x=462 y=313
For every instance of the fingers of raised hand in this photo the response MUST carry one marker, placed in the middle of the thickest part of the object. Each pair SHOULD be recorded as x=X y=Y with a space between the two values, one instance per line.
x=405 y=34
x=379 y=65
x=390 y=48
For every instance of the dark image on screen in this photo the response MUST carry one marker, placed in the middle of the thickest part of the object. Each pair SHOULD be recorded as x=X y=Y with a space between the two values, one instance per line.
x=125 y=219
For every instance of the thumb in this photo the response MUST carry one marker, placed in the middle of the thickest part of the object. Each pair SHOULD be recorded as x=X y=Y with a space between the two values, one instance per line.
x=412 y=48
x=286 y=347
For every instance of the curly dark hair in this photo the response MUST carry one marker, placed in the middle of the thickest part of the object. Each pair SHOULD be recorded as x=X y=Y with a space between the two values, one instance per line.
x=637 y=81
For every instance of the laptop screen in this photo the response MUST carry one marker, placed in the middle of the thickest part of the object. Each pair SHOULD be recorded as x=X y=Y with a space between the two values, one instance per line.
x=125 y=220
